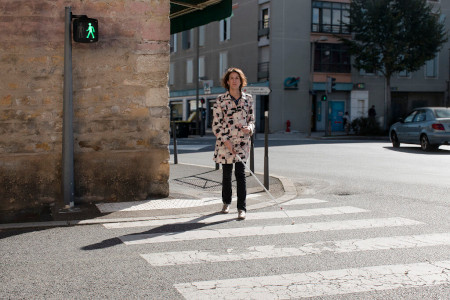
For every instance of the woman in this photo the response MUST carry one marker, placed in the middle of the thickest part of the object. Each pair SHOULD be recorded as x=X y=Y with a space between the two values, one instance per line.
x=233 y=124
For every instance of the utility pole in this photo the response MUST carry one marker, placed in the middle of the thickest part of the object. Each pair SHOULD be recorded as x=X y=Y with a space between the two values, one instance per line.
x=68 y=188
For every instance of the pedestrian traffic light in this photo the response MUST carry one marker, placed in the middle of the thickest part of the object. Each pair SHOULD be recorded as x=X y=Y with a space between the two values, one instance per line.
x=333 y=84
x=324 y=98
x=85 y=30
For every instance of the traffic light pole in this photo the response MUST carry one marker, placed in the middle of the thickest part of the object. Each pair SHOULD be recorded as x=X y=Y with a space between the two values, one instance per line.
x=327 y=107
x=196 y=72
x=68 y=189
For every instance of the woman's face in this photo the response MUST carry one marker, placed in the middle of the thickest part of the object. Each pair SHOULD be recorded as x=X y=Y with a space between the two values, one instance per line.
x=234 y=81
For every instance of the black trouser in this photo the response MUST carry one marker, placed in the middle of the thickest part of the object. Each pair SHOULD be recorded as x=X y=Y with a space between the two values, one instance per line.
x=239 y=173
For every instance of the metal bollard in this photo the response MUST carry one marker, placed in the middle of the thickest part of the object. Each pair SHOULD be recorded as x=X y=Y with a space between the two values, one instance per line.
x=266 y=149
x=175 y=151
x=252 y=153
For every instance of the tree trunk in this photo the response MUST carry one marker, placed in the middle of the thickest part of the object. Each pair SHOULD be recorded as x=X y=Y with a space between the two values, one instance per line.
x=387 y=102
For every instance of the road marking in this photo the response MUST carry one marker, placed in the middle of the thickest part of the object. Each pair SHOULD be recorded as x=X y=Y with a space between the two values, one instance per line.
x=161 y=204
x=250 y=216
x=164 y=237
x=303 y=201
x=321 y=283
x=252 y=196
x=155 y=204
x=272 y=251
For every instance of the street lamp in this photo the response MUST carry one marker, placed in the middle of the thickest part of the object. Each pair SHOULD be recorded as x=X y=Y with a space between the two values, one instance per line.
x=311 y=78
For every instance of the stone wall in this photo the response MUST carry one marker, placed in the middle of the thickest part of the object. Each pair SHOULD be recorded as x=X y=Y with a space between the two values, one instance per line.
x=120 y=100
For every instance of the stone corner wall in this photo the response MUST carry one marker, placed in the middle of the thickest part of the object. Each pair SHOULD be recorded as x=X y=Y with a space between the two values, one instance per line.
x=120 y=101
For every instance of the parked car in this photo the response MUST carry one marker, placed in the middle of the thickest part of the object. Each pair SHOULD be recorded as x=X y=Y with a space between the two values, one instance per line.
x=428 y=127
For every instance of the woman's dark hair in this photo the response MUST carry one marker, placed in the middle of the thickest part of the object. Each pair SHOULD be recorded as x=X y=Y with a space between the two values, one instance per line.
x=227 y=74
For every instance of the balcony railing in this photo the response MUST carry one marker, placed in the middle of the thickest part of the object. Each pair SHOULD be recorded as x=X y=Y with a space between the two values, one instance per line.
x=263 y=28
x=328 y=28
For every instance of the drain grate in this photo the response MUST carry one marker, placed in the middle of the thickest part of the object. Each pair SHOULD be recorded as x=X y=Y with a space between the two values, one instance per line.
x=200 y=183
x=343 y=194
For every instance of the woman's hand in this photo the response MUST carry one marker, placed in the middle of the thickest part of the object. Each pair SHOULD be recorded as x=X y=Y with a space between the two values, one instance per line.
x=229 y=147
x=246 y=129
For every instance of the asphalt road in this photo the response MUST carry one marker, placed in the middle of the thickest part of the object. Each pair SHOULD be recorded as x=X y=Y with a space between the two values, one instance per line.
x=371 y=222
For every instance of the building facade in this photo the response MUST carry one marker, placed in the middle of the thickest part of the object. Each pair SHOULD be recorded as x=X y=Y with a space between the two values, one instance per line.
x=291 y=47
x=120 y=103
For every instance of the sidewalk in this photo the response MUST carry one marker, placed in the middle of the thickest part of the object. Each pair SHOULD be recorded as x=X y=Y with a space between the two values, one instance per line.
x=195 y=191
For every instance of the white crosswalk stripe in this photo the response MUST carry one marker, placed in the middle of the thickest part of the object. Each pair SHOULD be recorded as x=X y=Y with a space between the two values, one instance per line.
x=265 y=230
x=316 y=283
x=272 y=251
x=303 y=201
x=321 y=283
x=251 y=216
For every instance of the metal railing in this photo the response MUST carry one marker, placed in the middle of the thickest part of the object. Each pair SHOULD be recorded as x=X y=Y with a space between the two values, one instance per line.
x=328 y=28
x=263 y=28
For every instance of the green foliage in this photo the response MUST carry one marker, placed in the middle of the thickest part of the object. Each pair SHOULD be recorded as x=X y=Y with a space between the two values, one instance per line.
x=366 y=126
x=391 y=36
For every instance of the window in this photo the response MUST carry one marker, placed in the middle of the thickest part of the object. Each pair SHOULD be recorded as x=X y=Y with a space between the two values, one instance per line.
x=404 y=74
x=176 y=111
x=442 y=113
x=431 y=68
x=225 y=30
x=201 y=36
x=186 y=39
x=265 y=18
x=367 y=73
x=332 y=58
x=330 y=17
x=201 y=67
x=410 y=117
x=171 y=74
x=223 y=63
x=189 y=71
x=173 y=43
x=421 y=116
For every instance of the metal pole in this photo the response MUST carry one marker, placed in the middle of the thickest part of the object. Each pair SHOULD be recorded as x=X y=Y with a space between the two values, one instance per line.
x=447 y=102
x=252 y=153
x=311 y=86
x=196 y=73
x=266 y=149
x=175 y=151
x=326 y=109
x=67 y=149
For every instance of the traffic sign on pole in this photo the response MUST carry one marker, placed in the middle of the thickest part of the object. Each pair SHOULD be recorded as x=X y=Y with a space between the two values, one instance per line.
x=256 y=90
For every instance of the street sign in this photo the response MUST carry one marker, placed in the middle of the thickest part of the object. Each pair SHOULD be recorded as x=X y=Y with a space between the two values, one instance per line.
x=207 y=84
x=256 y=90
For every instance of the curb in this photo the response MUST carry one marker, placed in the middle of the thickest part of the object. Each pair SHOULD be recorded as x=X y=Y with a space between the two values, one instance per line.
x=290 y=192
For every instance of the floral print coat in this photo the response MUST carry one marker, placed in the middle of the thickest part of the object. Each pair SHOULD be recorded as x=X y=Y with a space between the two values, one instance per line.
x=228 y=119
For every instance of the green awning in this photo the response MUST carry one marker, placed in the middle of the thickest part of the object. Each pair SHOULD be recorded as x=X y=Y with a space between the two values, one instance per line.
x=187 y=14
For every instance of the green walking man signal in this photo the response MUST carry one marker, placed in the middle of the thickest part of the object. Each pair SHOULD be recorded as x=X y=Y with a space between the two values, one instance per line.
x=85 y=30
x=91 y=31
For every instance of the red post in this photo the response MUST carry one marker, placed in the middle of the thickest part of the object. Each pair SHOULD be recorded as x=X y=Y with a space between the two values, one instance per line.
x=288 y=124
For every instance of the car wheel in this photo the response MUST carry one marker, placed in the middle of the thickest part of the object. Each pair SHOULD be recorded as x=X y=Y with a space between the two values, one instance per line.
x=394 y=139
x=425 y=143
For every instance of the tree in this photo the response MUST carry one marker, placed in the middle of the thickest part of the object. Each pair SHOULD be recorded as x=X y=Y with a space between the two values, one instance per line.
x=391 y=36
